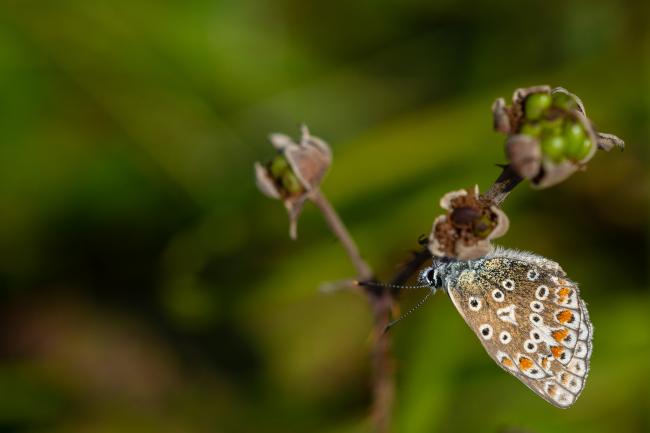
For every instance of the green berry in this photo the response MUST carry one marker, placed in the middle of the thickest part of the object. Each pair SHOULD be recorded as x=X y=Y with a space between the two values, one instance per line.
x=278 y=166
x=564 y=101
x=574 y=135
x=552 y=127
x=536 y=104
x=554 y=147
x=290 y=182
x=533 y=129
x=582 y=151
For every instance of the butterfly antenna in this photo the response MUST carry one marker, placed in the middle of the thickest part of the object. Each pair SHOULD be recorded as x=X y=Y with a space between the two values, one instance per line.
x=405 y=315
x=390 y=286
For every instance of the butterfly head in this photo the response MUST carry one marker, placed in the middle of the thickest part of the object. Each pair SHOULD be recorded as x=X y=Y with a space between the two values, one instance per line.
x=436 y=275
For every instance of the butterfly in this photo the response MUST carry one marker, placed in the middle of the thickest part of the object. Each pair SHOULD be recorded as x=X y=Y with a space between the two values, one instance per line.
x=527 y=314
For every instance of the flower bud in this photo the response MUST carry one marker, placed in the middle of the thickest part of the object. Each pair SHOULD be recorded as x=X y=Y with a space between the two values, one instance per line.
x=295 y=171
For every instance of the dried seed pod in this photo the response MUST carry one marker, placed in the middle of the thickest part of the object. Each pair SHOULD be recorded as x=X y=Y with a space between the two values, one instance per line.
x=468 y=227
x=295 y=171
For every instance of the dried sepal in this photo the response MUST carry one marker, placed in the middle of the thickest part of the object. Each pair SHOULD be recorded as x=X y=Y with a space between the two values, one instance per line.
x=468 y=227
x=608 y=142
x=549 y=135
x=500 y=116
x=265 y=182
x=519 y=95
x=569 y=97
x=294 y=172
x=524 y=154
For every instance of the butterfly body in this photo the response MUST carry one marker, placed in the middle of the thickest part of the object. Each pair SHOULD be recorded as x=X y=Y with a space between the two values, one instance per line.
x=527 y=314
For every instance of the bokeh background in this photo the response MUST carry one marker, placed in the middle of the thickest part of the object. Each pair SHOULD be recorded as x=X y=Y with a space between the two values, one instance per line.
x=146 y=285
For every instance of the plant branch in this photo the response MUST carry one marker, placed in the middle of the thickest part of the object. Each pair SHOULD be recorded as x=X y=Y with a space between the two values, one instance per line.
x=364 y=271
x=506 y=182
x=381 y=301
x=383 y=365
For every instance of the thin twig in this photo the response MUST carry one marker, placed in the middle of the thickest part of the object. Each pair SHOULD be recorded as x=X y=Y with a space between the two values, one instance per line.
x=506 y=182
x=333 y=220
x=383 y=365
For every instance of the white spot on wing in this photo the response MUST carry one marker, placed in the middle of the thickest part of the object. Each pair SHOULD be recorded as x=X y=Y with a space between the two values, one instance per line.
x=507 y=314
x=497 y=295
x=541 y=292
x=474 y=303
x=486 y=331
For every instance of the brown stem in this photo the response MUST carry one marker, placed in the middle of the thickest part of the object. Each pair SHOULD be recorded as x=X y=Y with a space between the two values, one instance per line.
x=381 y=300
x=333 y=220
x=506 y=182
x=383 y=366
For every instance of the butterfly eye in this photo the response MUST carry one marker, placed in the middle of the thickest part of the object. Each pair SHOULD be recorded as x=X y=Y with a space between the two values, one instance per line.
x=429 y=276
x=432 y=277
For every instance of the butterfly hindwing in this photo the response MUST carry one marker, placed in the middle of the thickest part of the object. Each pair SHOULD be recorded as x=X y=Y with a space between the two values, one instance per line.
x=531 y=321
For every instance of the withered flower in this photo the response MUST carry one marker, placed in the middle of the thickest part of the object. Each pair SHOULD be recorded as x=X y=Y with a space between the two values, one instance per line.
x=296 y=171
x=549 y=134
x=468 y=227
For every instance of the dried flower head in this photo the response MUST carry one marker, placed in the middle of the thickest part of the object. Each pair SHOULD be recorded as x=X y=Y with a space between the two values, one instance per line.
x=549 y=135
x=294 y=172
x=468 y=227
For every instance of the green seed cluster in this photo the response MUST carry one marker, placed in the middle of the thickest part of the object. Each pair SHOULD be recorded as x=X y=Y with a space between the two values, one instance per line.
x=284 y=176
x=561 y=136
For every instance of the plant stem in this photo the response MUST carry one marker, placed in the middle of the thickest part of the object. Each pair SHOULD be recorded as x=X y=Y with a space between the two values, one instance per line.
x=383 y=366
x=506 y=182
x=364 y=272
x=381 y=301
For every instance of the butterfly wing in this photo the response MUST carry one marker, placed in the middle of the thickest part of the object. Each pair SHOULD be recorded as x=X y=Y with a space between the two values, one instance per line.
x=531 y=321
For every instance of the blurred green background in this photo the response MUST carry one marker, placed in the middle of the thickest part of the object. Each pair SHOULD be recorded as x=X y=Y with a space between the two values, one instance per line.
x=147 y=286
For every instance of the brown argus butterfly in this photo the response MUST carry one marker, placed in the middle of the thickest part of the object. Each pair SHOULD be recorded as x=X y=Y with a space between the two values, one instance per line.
x=528 y=316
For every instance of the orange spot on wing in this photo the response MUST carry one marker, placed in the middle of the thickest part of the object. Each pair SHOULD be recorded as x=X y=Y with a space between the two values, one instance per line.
x=564 y=316
x=507 y=362
x=544 y=363
x=560 y=334
x=563 y=293
x=525 y=363
x=557 y=351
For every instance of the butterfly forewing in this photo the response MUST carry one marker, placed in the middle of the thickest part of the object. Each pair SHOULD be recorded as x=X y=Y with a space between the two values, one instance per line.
x=532 y=322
